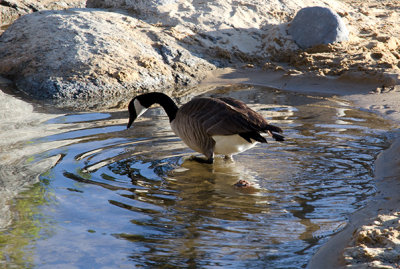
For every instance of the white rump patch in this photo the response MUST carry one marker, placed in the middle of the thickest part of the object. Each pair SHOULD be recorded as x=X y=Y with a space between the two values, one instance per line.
x=231 y=144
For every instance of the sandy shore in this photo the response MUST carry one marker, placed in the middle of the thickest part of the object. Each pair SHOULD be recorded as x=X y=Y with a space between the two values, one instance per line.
x=370 y=240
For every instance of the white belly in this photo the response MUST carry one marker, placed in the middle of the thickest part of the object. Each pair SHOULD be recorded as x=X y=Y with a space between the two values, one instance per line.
x=231 y=144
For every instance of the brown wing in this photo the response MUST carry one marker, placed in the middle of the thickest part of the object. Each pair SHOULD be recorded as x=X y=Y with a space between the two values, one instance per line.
x=251 y=114
x=224 y=116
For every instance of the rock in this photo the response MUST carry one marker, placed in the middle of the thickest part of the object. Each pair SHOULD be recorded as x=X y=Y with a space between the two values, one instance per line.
x=99 y=57
x=376 y=245
x=246 y=31
x=11 y=10
x=317 y=25
x=223 y=25
x=233 y=32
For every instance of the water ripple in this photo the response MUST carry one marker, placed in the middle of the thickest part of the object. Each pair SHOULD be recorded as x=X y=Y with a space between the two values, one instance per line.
x=138 y=195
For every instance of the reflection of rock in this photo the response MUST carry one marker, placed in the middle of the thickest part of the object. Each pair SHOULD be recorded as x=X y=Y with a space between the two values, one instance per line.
x=20 y=125
x=17 y=176
x=83 y=54
x=317 y=25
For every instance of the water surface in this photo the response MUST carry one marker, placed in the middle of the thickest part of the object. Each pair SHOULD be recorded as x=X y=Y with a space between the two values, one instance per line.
x=120 y=198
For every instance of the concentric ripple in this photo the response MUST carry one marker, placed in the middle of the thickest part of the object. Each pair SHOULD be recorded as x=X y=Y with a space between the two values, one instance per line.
x=126 y=198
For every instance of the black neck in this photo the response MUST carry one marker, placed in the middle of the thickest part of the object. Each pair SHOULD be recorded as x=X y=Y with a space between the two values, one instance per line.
x=163 y=100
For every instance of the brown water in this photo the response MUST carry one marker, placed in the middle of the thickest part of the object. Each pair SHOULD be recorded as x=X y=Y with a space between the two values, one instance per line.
x=120 y=198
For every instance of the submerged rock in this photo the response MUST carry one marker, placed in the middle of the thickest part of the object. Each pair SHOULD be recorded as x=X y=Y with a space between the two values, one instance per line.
x=317 y=25
x=94 y=56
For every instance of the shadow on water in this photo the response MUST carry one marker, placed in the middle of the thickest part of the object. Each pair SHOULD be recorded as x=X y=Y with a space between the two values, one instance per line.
x=129 y=198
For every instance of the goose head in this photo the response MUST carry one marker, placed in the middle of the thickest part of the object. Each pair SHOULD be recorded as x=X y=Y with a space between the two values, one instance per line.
x=142 y=102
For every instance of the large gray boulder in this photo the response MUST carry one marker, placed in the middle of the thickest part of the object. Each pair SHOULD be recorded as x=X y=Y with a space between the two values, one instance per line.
x=317 y=25
x=98 y=57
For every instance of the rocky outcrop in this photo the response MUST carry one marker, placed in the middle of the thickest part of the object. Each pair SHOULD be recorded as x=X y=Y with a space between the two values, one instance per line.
x=10 y=10
x=104 y=57
x=317 y=25
x=94 y=56
x=233 y=30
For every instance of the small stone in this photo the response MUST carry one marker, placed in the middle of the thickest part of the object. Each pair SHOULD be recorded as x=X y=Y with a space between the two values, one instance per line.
x=317 y=25
x=243 y=184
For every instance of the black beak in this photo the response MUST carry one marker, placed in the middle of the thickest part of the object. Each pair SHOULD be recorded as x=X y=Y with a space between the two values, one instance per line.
x=131 y=120
x=132 y=113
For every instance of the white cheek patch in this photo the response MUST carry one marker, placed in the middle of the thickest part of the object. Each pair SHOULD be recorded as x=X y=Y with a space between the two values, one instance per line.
x=139 y=108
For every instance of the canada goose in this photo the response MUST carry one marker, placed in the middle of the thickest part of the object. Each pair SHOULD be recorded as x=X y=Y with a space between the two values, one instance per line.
x=209 y=125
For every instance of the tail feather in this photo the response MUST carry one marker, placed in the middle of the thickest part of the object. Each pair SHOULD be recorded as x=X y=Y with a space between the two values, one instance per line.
x=273 y=130
x=277 y=137
x=253 y=136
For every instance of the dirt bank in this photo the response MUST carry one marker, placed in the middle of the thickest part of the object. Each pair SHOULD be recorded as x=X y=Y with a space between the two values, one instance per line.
x=370 y=240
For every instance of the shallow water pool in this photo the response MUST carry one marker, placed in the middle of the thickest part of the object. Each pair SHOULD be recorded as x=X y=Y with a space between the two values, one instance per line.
x=120 y=198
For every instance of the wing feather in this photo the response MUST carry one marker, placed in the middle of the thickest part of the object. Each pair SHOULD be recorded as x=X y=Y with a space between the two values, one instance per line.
x=224 y=116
